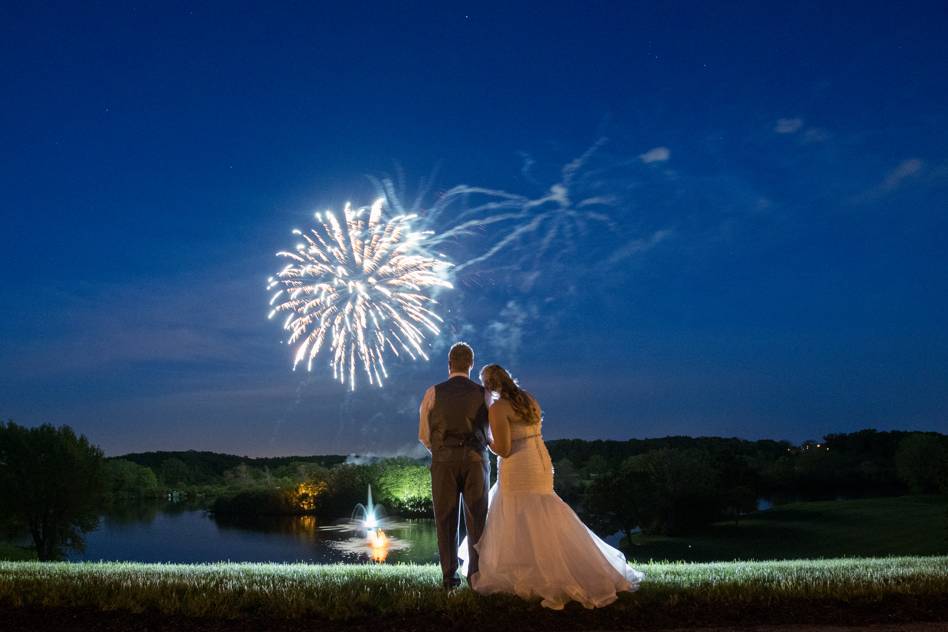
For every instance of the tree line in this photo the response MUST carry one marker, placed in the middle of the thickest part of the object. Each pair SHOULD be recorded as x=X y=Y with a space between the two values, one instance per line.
x=677 y=485
x=54 y=484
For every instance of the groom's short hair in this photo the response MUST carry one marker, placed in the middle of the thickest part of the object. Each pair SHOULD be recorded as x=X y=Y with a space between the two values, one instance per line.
x=460 y=357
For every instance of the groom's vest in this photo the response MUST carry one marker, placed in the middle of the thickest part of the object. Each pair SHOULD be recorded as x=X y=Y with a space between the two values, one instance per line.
x=458 y=420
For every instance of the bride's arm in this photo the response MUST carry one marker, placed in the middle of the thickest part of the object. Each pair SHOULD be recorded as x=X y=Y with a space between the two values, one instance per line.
x=499 y=429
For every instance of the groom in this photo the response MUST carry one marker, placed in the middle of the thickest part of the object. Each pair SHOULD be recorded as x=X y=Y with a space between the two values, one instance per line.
x=453 y=426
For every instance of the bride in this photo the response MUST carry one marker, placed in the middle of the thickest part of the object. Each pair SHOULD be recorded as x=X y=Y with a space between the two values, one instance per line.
x=534 y=545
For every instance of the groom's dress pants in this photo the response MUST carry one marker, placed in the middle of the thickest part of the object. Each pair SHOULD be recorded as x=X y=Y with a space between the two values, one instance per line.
x=457 y=479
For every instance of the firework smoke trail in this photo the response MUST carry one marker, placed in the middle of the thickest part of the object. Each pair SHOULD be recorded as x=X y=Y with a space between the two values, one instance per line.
x=550 y=222
x=361 y=285
x=330 y=295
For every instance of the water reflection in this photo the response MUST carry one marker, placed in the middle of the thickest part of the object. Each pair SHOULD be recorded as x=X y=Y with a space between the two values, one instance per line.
x=132 y=513
x=374 y=544
x=305 y=528
x=378 y=545
x=156 y=532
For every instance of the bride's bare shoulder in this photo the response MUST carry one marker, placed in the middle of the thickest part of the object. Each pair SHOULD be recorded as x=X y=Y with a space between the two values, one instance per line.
x=500 y=404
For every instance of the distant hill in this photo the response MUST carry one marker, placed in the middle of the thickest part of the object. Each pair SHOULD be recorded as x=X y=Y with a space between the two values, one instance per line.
x=580 y=451
x=844 y=463
x=206 y=466
x=862 y=446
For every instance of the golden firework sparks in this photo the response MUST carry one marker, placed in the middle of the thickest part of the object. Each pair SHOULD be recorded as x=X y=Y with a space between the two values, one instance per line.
x=364 y=286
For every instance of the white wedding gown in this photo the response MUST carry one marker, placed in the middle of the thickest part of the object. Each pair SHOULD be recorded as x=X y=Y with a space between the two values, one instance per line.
x=534 y=545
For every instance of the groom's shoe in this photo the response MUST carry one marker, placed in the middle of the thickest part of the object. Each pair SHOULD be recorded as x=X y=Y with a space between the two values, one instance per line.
x=451 y=584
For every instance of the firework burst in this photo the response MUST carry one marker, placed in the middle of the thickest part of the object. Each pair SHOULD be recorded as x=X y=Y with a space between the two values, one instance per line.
x=362 y=286
x=520 y=231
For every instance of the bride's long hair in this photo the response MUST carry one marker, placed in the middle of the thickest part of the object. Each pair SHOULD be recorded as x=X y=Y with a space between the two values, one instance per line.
x=496 y=379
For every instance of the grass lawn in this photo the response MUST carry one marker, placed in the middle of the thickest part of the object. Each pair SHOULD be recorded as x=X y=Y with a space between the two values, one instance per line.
x=906 y=525
x=389 y=596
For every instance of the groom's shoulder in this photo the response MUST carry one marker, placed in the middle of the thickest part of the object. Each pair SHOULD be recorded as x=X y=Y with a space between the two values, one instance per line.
x=459 y=382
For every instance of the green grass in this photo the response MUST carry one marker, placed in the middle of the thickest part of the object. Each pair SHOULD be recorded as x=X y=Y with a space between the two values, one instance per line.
x=889 y=589
x=906 y=525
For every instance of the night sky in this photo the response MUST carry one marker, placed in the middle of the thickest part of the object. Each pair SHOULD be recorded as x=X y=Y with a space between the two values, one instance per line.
x=753 y=242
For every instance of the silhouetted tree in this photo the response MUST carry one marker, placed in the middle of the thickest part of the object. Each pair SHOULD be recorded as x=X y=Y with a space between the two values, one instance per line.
x=677 y=489
x=240 y=475
x=53 y=482
x=738 y=482
x=597 y=466
x=615 y=502
x=921 y=461
x=566 y=480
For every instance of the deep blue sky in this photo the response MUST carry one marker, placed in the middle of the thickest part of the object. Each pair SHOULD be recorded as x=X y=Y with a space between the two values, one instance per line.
x=775 y=262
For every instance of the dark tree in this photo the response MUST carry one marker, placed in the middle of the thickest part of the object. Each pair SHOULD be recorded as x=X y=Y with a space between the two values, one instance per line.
x=209 y=467
x=616 y=502
x=921 y=461
x=53 y=483
x=678 y=489
x=174 y=472
x=348 y=485
x=128 y=480
x=258 y=502
x=738 y=482
x=566 y=480
x=597 y=466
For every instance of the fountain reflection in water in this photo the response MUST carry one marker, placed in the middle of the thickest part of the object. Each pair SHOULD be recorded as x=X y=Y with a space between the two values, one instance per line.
x=378 y=545
x=369 y=523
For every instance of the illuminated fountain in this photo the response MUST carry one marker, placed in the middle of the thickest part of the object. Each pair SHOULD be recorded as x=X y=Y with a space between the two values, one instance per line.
x=369 y=513
x=368 y=539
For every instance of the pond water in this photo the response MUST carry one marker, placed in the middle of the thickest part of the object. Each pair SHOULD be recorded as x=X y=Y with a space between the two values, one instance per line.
x=171 y=533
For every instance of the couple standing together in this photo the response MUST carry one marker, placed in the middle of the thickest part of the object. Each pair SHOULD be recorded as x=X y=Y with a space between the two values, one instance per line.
x=522 y=538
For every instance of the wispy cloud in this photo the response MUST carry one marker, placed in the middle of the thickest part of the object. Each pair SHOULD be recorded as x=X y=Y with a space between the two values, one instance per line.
x=640 y=245
x=655 y=154
x=788 y=125
x=905 y=169
x=815 y=135
x=895 y=178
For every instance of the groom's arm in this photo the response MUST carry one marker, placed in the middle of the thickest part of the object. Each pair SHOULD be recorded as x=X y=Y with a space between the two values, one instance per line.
x=424 y=427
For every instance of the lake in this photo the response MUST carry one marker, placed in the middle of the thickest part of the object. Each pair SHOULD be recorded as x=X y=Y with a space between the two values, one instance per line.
x=172 y=533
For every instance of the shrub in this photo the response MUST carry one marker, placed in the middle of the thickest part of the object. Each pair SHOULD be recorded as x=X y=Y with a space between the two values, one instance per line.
x=130 y=480
x=264 y=502
x=405 y=486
